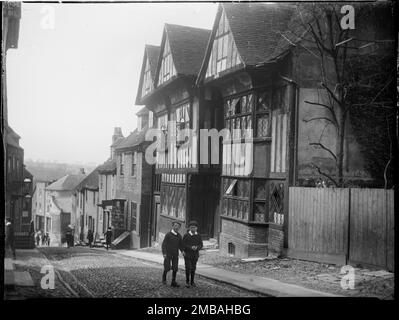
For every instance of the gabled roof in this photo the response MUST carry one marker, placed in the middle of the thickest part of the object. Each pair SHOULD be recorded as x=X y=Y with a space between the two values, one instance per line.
x=63 y=204
x=12 y=137
x=90 y=182
x=108 y=166
x=66 y=183
x=187 y=45
x=143 y=111
x=134 y=139
x=151 y=53
x=117 y=142
x=257 y=30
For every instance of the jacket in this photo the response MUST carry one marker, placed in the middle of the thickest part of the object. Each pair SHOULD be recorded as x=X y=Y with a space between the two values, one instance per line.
x=189 y=241
x=172 y=244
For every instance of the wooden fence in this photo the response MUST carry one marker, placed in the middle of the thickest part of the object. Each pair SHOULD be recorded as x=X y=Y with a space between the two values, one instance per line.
x=342 y=226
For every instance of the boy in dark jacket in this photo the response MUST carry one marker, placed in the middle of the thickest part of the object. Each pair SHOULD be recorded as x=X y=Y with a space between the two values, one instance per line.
x=192 y=243
x=171 y=245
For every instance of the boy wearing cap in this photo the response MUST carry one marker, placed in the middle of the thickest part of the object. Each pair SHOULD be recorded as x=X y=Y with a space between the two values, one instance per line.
x=171 y=245
x=192 y=243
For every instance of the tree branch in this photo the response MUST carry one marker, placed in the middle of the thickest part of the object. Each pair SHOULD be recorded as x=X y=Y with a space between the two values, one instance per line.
x=318 y=118
x=322 y=146
x=331 y=93
x=335 y=120
x=325 y=174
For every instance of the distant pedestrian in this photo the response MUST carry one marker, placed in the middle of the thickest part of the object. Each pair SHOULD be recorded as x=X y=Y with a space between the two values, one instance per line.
x=108 y=238
x=44 y=239
x=10 y=237
x=171 y=245
x=90 y=237
x=69 y=237
x=192 y=243
x=48 y=239
x=37 y=238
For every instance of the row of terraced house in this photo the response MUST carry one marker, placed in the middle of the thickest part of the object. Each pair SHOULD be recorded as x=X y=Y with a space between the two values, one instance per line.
x=254 y=75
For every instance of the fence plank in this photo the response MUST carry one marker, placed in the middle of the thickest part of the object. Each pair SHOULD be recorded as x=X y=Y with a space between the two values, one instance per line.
x=315 y=223
x=370 y=236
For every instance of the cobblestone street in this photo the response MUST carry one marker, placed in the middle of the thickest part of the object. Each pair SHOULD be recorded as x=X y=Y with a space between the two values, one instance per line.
x=82 y=272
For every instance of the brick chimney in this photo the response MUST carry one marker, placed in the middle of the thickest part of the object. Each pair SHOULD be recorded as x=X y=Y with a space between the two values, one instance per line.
x=117 y=135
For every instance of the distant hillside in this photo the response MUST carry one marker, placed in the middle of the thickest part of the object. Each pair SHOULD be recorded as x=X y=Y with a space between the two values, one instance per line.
x=49 y=171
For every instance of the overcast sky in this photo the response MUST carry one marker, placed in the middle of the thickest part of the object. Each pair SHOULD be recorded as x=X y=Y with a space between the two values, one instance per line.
x=72 y=81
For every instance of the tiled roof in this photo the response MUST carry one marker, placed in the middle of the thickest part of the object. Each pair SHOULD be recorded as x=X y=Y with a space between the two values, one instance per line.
x=257 y=29
x=27 y=174
x=134 y=139
x=117 y=142
x=188 y=46
x=142 y=111
x=63 y=204
x=66 y=183
x=107 y=166
x=12 y=137
x=90 y=182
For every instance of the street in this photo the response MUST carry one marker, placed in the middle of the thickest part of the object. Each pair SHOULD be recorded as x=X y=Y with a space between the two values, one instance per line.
x=96 y=273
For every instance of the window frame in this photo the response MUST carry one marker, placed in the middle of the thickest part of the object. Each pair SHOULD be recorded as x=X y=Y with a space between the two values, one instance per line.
x=134 y=164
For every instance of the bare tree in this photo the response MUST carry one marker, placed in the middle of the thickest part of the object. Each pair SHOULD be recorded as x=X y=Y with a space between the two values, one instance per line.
x=350 y=77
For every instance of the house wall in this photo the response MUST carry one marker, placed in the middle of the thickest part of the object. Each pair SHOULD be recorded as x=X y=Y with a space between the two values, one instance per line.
x=90 y=200
x=39 y=206
x=136 y=189
x=107 y=191
x=14 y=175
x=57 y=222
x=307 y=75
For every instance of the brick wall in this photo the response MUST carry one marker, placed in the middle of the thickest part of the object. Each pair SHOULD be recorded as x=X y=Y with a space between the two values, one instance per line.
x=248 y=240
x=276 y=240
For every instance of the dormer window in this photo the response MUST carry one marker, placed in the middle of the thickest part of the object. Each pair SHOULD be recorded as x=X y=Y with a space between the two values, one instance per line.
x=167 y=68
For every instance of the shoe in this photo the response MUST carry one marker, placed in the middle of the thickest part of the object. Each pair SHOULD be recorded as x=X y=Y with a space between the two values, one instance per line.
x=174 y=284
x=193 y=284
x=187 y=285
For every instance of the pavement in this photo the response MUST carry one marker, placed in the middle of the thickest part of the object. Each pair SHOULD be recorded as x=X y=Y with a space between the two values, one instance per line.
x=266 y=286
x=14 y=278
x=258 y=284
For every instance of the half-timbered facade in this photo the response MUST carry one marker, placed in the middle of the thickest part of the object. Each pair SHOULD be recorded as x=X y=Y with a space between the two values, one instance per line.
x=240 y=64
x=184 y=189
x=265 y=73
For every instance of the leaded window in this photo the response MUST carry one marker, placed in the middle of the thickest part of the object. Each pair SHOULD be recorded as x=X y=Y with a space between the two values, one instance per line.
x=276 y=200
x=238 y=115
x=236 y=193
x=263 y=110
